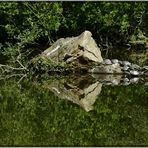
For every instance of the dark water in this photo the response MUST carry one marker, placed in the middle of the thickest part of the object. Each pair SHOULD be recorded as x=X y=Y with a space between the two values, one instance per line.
x=73 y=111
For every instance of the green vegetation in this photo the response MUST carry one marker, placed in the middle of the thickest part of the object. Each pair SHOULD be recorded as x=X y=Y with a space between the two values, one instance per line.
x=31 y=115
x=27 y=28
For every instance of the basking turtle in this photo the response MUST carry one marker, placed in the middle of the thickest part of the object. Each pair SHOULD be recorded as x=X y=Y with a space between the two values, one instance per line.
x=145 y=67
x=126 y=80
x=145 y=73
x=115 y=82
x=115 y=61
x=125 y=68
x=134 y=73
x=120 y=62
x=134 y=80
x=126 y=63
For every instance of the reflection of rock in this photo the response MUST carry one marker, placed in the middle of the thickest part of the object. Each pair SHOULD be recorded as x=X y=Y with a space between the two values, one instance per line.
x=78 y=50
x=81 y=91
x=90 y=95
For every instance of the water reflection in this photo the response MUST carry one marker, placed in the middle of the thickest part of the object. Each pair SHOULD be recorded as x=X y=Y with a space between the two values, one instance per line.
x=80 y=90
x=84 y=90
x=32 y=115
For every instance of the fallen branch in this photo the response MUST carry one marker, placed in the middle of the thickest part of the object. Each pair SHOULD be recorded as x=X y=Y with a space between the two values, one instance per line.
x=7 y=69
x=4 y=77
x=13 y=68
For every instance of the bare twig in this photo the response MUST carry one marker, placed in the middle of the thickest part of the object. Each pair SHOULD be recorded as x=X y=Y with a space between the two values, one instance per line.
x=21 y=78
x=4 y=77
x=12 y=68
x=21 y=64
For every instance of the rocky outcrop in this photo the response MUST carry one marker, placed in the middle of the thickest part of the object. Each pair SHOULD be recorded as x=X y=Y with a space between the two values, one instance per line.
x=82 y=55
x=77 y=50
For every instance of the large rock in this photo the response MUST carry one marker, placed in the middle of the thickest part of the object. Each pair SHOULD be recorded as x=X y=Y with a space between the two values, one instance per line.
x=80 y=50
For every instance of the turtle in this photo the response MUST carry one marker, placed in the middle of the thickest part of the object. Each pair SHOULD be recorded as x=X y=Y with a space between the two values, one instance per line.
x=115 y=82
x=145 y=67
x=115 y=61
x=107 y=62
x=134 y=80
x=125 y=68
x=125 y=80
x=146 y=73
x=120 y=62
x=134 y=72
x=126 y=63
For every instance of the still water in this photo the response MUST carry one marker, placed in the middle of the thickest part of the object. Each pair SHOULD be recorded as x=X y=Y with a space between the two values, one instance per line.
x=88 y=110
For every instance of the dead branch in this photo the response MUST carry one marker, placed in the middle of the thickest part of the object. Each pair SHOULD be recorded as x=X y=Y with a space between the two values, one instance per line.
x=8 y=69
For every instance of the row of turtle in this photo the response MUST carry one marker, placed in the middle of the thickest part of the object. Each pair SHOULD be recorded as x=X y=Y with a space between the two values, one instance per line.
x=126 y=81
x=127 y=67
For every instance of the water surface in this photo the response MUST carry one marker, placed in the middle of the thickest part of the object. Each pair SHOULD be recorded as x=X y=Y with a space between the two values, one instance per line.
x=73 y=111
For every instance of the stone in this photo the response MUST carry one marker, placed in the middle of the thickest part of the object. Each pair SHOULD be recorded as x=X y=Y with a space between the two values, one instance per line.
x=79 y=50
x=107 y=62
x=82 y=52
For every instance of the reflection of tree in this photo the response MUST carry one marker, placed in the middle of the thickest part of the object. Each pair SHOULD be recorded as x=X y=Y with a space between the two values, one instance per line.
x=31 y=115
x=125 y=108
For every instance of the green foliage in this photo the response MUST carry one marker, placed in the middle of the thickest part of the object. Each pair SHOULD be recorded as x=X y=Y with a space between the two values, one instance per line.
x=25 y=23
x=116 y=21
x=41 y=64
x=37 y=24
